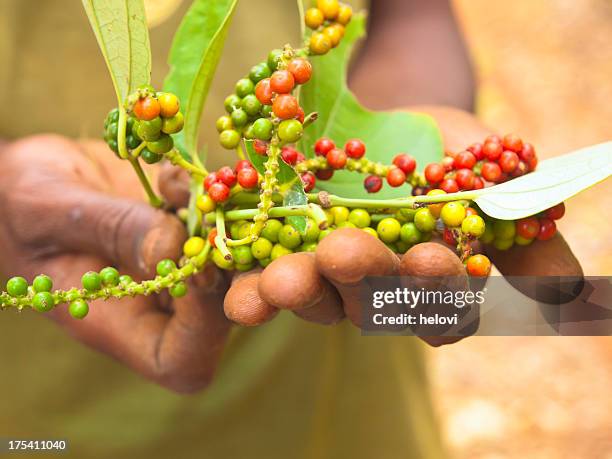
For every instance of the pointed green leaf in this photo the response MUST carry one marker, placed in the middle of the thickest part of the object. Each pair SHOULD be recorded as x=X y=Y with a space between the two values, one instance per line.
x=120 y=27
x=341 y=117
x=295 y=196
x=554 y=181
x=195 y=54
x=286 y=173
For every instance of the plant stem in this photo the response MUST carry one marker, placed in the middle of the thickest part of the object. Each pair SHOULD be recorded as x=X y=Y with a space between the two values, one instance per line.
x=220 y=239
x=177 y=159
x=122 y=126
x=240 y=152
x=136 y=151
x=154 y=200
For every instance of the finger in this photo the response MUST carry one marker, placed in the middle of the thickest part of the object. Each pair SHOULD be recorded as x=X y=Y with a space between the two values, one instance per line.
x=174 y=185
x=293 y=282
x=178 y=349
x=243 y=304
x=348 y=255
x=527 y=268
x=73 y=218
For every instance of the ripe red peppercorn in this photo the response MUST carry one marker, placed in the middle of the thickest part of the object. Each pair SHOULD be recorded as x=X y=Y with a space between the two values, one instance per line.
x=493 y=138
x=476 y=150
x=372 y=183
x=247 y=178
x=309 y=181
x=289 y=155
x=355 y=148
x=449 y=185
x=282 y=82
x=478 y=266
x=508 y=161
x=513 y=143
x=336 y=158
x=521 y=169
x=227 y=176
x=528 y=228
x=478 y=183
x=448 y=237
x=210 y=179
x=300 y=115
x=301 y=69
x=557 y=212
x=260 y=147
x=434 y=173
x=465 y=179
x=448 y=163
x=285 y=106
x=465 y=160
x=405 y=162
x=325 y=174
x=492 y=150
x=243 y=164
x=532 y=163
x=503 y=177
x=300 y=157
x=323 y=146
x=211 y=237
x=527 y=152
x=263 y=91
x=548 y=228
x=396 y=177
x=491 y=171
x=146 y=108
x=219 y=192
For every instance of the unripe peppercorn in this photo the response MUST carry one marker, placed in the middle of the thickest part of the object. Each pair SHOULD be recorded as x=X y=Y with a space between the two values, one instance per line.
x=168 y=103
x=165 y=267
x=78 y=309
x=42 y=283
x=452 y=214
x=110 y=277
x=229 y=139
x=290 y=131
x=92 y=282
x=43 y=302
x=424 y=220
x=345 y=13
x=388 y=230
x=178 y=290
x=319 y=43
x=329 y=8
x=473 y=225
x=314 y=18
x=17 y=287
x=205 y=203
x=193 y=246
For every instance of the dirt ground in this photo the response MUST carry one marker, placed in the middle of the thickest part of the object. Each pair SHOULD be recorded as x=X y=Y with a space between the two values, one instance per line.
x=545 y=72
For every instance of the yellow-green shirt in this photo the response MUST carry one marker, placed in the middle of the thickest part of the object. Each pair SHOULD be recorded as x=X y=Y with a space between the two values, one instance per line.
x=287 y=389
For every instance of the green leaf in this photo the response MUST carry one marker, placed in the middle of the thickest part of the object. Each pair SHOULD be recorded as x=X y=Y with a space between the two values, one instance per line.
x=341 y=117
x=196 y=51
x=120 y=27
x=295 y=196
x=554 y=181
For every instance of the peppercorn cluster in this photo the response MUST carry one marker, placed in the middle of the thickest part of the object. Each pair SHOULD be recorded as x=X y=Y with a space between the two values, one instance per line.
x=327 y=20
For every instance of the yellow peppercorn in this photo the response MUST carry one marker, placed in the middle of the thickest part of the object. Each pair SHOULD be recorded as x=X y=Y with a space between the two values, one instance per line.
x=205 y=204
x=319 y=43
x=193 y=246
x=334 y=33
x=345 y=13
x=168 y=103
x=330 y=8
x=314 y=18
x=370 y=231
x=435 y=209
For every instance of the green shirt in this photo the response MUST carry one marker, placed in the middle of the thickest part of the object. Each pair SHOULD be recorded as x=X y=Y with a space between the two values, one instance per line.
x=285 y=389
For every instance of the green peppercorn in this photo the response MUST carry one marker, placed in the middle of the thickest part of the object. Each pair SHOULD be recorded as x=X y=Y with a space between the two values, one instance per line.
x=150 y=130
x=244 y=230
x=290 y=131
x=239 y=117
x=232 y=102
x=407 y=214
x=113 y=145
x=402 y=247
x=263 y=128
x=223 y=123
x=271 y=229
x=346 y=224
x=242 y=255
x=174 y=124
x=248 y=132
x=473 y=225
x=266 y=111
x=264 y=262
x=162 y=145
x=504 y=229
x=165 y=267
x=324 y=233
x=274 y=59
x=244 y=87
x=125 y=279
x=112 y=131
x=229 y=139
x=289 y=237
x=149 y=157
x=388 y=230
x=42 y=283
x=110 y=277
x=360 y=218
x=43 y=302
x=261 y=248
x=424 y=220
x=78 y=309
x=312 y=231
x=259 y=72
x=92 y=282
x=503 y=244
x=251 y=105
x=308 y=247
x=178 y=290
x=113 y=116
x=244 y=268
x=17 y=287
x=279 y=250
x=132 y=142
x=410 y=234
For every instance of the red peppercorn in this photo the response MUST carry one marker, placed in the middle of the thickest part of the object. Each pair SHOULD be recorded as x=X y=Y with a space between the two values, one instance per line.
x=210 y=179
x=521 y=169
x=227 y=176
x=513 y=143
x=300 y=157
x=219 y=192
x=527 y=152
x=478 y=266
x=289 y=155
x=532 y=163
x=324 y=174
x=323 y=146
x=405 y=162
x=434 y=173
x=264 y=92
x=282 y=82
x=478 y=183
x=309 y=181
x=476 y=150
x=448 y=163
x=503 y=177
x=243 y=164
x=508 y=161
x=247 y=178
x=548 y=228
x=396 y=177
x=465 y=179
x=528 y=228
x=336 y=158
x=355 y=148
x=300 y=115
x=449 y=185
x=285 y=106
x=491 y=171
x=301 y=69
x=211 y=237
x=372 y=183
x=146 y=108
x=557 y=212
x=260 y=147
x=465 y=160
x=492 y=150
x=449 y=237
x=493 y=138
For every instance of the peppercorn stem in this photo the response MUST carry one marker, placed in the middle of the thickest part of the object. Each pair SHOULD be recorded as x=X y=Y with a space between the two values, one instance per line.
x=176 y=159
x=136 y=151
x=121 y=133
x=220 y=239
x=154 y=200
x=240 y=152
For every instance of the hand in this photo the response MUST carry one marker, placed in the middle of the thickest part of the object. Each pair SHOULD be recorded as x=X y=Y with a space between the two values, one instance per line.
x=70 y=207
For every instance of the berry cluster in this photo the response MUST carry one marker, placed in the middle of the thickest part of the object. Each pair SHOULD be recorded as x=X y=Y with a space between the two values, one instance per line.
x=218 y=184
x=328 y=21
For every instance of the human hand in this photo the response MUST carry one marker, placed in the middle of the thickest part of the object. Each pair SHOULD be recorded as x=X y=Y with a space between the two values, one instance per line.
x=70 y=207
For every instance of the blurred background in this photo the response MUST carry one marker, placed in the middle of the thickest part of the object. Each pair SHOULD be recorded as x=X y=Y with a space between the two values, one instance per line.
x=545 y=72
